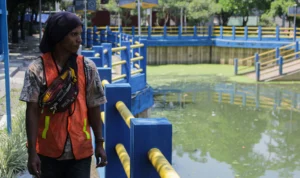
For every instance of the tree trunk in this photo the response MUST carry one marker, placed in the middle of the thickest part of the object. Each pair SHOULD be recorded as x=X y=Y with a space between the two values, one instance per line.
x=245 y=20
x=15 y=38
x=30 y=30
x=22 y=25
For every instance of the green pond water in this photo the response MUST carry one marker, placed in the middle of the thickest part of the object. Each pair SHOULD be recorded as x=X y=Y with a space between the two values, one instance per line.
x=230 y=130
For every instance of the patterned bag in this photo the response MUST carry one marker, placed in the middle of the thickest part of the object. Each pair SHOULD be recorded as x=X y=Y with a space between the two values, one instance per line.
x=62 y=92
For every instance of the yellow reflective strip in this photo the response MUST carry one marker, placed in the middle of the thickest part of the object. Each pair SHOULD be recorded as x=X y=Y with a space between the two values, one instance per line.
x=88 y=136
x=47 y=122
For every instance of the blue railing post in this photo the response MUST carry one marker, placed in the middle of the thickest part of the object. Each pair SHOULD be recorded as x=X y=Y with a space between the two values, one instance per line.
x=179 y=31
x=280 y=65
x=233 y=32
x=236 y=65
x=259 y=33
x=277 y=33
x=143 y=62
x=195 y=31
x=149 y=32
x=120 y=29
x=246 y=32
x=146 y=134
x=165 y=32
x=116 y=130
x=126 y=55
x=256 y=57
x=107 y=57
x=95 y=36
x=4 y=40
x=297 y=49
x=103 y=36
x=257 y=70
x=221 y=32
x=99 y=61
x=210 y=31
x=133 y=31
x=83 y=35
x=295 y=33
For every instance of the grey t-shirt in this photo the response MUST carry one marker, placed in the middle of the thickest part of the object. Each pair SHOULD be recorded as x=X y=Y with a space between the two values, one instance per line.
x=35 y=84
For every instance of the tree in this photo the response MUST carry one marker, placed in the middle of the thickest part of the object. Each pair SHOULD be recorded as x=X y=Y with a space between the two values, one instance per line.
x=201 y=10
x=244 y=8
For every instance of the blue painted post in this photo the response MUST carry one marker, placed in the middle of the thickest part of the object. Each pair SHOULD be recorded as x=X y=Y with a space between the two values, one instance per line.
x=246 y=32
x=295 y=34
x=116 y=131
x=83 y=35
x=133 y=31
x=244 y=99
x=236 y=65
x=257 y=69
x=108 y=55
x=179 y=31
x=126 y=55
x=146 y=134
x=210 y=31
x=143 y=62
x=149 y=32
x=233 y=32
x=95 y=36
x=277 y=33
x=4 y=39
x=105 y=74
x=280 y=65
x=297 y=49
x=195 y=31
x=99 y=61
x=259 y=33
x=89 y=38
x=120 y=29
x=165 y=32
x=256 y=57
x=277 y=52
x=221 y=32
x=102 y=36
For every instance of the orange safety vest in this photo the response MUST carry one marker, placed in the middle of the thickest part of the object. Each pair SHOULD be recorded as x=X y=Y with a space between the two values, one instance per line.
x=54 y=128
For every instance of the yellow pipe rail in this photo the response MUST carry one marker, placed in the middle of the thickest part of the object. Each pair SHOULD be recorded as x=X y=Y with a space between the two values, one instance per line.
x=118 y=63
x=137 y=58
x=124 y=158
x=137 y=66
x=136 y=71
x=161 y=164
x=118 y=49
x=97 y=55
x=124 y=111
x=290 y=55
x=118 y=77
x=102 y=115
x=104 y=82
x=137 y=54
x=105 y=51
x=136 y=46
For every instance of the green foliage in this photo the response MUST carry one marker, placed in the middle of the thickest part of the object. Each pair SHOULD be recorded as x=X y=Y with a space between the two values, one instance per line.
x=202 y=10
x=13 y=151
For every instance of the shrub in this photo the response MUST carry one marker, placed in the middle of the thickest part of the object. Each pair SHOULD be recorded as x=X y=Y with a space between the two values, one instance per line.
x=13 y=151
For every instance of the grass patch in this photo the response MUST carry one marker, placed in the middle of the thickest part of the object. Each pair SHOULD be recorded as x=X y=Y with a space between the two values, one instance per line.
x=13 y=151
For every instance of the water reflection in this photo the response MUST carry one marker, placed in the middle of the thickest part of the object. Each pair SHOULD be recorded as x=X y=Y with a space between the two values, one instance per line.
x=232 y=130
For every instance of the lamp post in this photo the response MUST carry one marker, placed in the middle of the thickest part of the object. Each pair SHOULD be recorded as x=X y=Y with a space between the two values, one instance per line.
x=295 y=28
x=139 y=17
x=85 y=23
x=40 y=16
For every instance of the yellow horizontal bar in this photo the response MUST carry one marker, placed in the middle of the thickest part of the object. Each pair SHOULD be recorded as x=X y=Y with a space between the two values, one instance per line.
x=291 y=55
x=137 y=66
x=105 y=51
x=124 y=158
x=104 y=82
x=118 y=77
x=267 y=52
x=137 y=54
x=161 y=164
x=118 y=63
x=124 y=111
x=102 y=115
x=136 y=71
x=97 y=55
x=283 y=47
x=136 y=46
x=137 y=42
x=268 y=62
x=137 y=58
x=118 y=49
